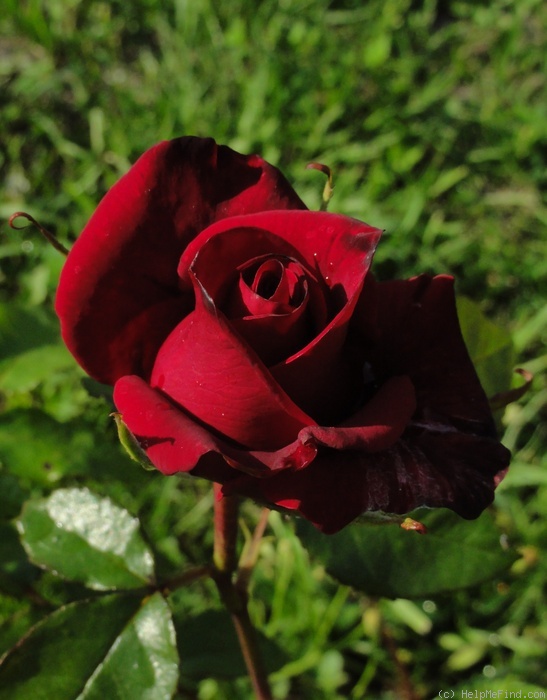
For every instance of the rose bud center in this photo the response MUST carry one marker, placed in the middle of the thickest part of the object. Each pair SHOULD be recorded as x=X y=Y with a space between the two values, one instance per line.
x=268 y=306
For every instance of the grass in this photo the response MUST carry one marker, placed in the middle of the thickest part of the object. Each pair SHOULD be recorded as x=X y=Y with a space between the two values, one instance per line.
x=432 y=116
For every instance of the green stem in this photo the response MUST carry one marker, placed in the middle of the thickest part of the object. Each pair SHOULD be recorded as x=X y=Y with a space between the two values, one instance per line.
x=186 y=577
x=235 y=599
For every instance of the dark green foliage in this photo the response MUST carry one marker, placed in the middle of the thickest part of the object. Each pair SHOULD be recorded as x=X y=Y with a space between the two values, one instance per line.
x=388 y=561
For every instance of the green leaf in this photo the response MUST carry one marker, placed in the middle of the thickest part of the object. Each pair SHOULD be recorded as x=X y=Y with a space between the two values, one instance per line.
x=490 y=347
x=16 y=618
x=41 y=450
x=391 y=562
x=209 y=648
x=86 y=538
x=446 y=180
x=31 y=352
x=131 y=445
x=110 y=647
x=144 y=661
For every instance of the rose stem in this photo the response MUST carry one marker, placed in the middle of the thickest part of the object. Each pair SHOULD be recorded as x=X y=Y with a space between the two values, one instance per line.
x=235 y=600
x=404 y=683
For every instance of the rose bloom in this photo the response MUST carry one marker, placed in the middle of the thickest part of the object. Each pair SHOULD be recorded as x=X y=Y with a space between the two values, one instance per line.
x=249 y=344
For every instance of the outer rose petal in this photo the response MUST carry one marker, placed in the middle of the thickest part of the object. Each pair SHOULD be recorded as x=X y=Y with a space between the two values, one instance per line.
x=174 y=442
x=447 y=455
x=376 y=426
x=119 y=295
x=411 y=327
x=455 y=471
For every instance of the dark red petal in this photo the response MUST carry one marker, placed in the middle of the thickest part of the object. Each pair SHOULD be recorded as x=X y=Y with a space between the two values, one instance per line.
x=286 y=277
x=297 y=286
x=376 y=426
x=437 y=470
x=176 y=443
x=324 y=377
x=217 y=378
x=274 y=337
x=337 y=248
x=270 y=271
x=119 y=295
x=219 y=259
x=411 y=327
x=321 y=377
x=278 y=326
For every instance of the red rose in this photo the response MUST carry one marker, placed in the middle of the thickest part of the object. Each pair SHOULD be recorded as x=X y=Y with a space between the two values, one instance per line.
x=249 y=344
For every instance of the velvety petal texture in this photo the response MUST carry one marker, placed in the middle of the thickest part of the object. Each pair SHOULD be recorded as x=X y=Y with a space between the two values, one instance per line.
x=338 y=486
x=118 y=296
x=249 y=344
x=175 y=442
x=205 y=368
x=446 y=453
x=411 y=327
x=338 y=252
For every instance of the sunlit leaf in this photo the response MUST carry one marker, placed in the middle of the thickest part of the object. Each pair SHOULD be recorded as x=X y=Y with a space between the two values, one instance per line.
x=86 y=538
x=114 y=646
x=143 y=662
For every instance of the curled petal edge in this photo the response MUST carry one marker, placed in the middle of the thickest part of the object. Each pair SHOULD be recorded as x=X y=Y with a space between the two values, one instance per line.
x=175 y=442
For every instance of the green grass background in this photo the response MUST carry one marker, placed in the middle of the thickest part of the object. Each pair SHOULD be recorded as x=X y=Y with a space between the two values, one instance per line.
x=433 y=116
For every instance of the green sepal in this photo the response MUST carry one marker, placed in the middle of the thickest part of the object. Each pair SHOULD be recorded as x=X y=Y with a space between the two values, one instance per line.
x=131 y=444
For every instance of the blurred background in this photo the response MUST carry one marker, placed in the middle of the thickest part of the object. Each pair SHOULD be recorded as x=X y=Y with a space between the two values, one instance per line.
x=432 y=115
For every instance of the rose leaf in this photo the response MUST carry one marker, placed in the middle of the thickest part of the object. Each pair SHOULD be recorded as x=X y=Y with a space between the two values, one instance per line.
x=115 y=646
x=490 y=347
x=86 y=538
x=386 y=560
